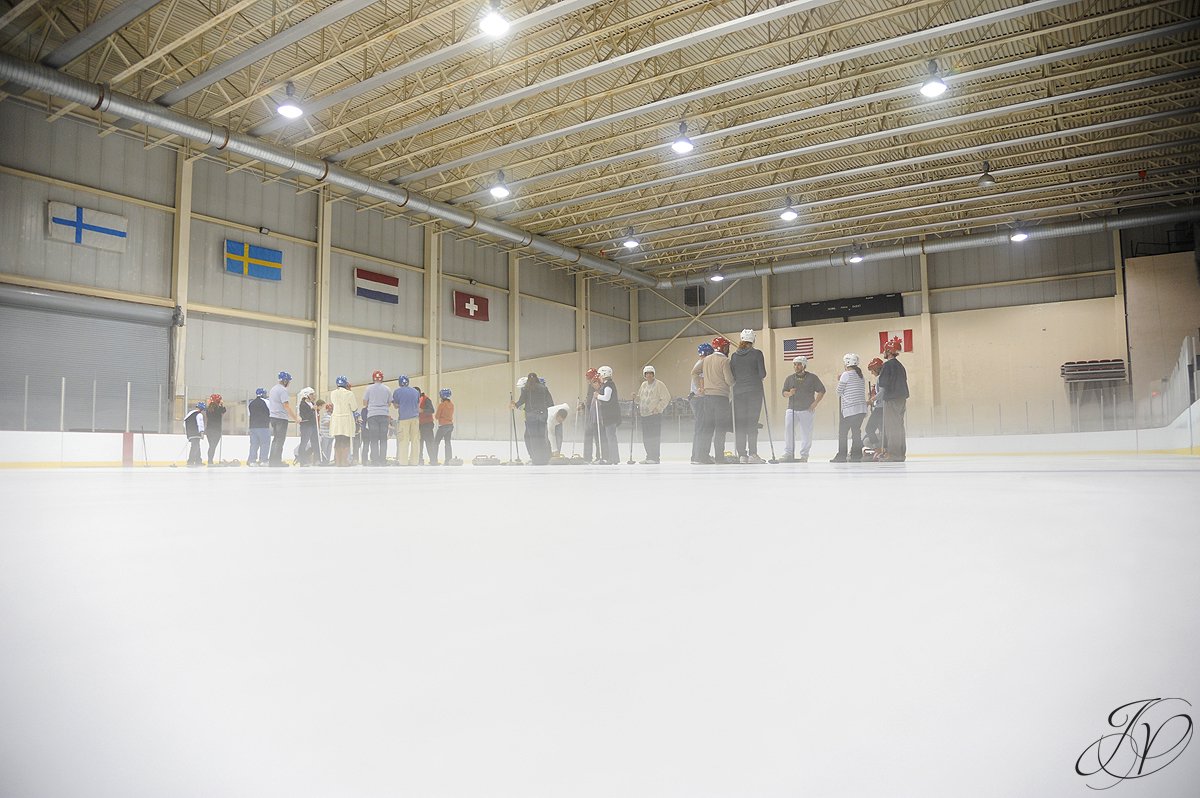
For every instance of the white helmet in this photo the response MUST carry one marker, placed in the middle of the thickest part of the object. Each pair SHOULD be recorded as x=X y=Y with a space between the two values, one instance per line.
x=649 y=369
x=521 y=382
x=748 y=335
x=850 y=359
x=605 y=372
x=306 y=392
x=801 y=359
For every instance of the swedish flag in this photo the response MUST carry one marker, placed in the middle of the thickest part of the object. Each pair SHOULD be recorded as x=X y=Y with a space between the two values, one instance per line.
x=251 y=261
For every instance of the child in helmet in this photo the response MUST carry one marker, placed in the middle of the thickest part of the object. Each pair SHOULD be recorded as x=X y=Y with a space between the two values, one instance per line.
x=307 y=450
x=873 y=432
x=852 y=396
x=696 y=400
x=444 y=416
x=193 y=427
x=324 y=415
x=341 y=425
x=425 y=427
x=610 y=416
x=212 y=424
x=591 y=418
x=260 y=429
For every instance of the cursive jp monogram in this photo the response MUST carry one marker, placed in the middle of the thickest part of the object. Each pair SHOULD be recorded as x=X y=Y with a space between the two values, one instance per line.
x=1152 y=733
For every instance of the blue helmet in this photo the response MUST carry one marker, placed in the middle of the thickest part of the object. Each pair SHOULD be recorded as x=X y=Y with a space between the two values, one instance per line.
x=444 y=393
x=260 y=391
x=201 y=406
x=403 y=380
x=342 y=382
x=705 y=349
x=285 y=377
x=542 y=380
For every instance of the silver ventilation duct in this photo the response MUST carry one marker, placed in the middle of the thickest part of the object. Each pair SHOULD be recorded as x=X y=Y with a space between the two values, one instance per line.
x=206 y=135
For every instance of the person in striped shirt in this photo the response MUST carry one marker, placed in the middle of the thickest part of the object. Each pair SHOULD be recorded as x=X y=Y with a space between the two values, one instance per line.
x=852 y=397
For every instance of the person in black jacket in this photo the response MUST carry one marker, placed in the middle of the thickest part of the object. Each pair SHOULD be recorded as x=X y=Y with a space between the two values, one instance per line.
x=193 y=427
x=260 y=429
x=212 y=424
x=307 y=450
x=610 y=417
x=749 y=370
x=893 y=392
x=536 y=399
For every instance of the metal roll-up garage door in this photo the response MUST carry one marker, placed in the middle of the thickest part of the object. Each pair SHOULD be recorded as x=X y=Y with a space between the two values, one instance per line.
x=82 y=363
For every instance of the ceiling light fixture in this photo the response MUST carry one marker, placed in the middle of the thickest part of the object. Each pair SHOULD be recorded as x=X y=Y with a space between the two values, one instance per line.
x=493 y=22
x=499 y=189
x=933 y=86
x=1019 y=235
x=788 y=213
x=682 y=145
x=289 y=108
x=986 y=180
x=631 y=241
x=716 y=276
x=856 y=255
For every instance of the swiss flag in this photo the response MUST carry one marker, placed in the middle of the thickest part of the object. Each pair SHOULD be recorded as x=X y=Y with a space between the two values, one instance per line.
x=470 y=306
x=904 y=335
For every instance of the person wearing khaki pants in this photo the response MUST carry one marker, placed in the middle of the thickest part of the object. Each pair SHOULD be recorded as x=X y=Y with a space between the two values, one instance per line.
x=408 y=430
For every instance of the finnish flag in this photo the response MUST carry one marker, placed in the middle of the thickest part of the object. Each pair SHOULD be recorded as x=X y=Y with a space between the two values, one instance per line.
x=90 y=228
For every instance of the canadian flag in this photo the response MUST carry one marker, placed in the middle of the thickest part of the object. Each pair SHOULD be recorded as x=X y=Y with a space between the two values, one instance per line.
x=905 y=337
x=470 y=306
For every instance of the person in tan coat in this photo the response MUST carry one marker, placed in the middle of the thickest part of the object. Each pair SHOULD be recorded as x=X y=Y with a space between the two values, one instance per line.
x=341 y=425
x=715 y=380
x=652 y=399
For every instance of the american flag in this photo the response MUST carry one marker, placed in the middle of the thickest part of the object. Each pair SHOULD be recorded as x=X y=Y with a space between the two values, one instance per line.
x=797 y=346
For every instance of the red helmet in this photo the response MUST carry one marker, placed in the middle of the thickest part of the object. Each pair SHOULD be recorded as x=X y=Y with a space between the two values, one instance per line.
x=215 y=399
x=377 y=375
x=894 y=344
x=875 y=363
x=720 y=342
x=591 y=374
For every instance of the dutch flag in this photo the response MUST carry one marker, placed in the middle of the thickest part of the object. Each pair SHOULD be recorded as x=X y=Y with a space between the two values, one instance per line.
x=373 y=285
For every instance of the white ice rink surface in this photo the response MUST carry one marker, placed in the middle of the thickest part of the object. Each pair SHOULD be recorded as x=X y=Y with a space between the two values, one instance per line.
x=936 y=628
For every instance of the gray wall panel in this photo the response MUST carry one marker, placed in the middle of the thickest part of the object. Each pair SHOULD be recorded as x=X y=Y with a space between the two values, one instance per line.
x=853 y=279
x=72 y=150
x=493 y=333
x=1047 y=258
x=472 y=260
x=233 y=358
x=609 y=298
x=209 y=283
x=546 y=329
x=607 y=332
x=538 y=279
x=345 y=307
x=665 y=330
x=454 y=359
x=144 y=268
x=243 y=197
x=1028 y=294
x=372 y=233
x=357 y=357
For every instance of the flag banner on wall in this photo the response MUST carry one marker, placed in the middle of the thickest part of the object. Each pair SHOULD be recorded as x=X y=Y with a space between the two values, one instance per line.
x=249 y=260
x=904 y=335
x=793 y=347
x=373 y=285
x=87 y=227
x=470 y=306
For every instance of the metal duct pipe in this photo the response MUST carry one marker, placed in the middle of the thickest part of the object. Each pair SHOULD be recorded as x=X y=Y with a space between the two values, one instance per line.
x=912 y=248
x=102 y=98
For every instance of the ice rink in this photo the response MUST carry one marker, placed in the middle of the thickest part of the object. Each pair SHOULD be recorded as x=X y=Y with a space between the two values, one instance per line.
x=943 y=627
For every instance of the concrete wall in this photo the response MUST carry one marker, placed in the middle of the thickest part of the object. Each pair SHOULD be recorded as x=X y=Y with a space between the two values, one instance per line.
x=1162 y=300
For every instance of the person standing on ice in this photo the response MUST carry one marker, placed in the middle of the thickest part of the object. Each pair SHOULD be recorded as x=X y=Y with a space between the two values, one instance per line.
x=425 y=428
x=536 y=400
x=852 y=395
x=873 y=431
x=444 y=416
x=715 y=383
x=893 y=388
x=804 y=391
x=610 y=416
x=591 y=425
x=260 y=429
x=375 y=407
x=281 y=414
x=696 y=400
x=407 y=429
x=342 y=424
x=213 y=415
x=193 y=427
x=307 y=450
x=652 y=399
x=749 y=369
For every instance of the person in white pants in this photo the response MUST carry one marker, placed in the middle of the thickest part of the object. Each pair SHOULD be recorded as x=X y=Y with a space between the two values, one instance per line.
x=804 y=391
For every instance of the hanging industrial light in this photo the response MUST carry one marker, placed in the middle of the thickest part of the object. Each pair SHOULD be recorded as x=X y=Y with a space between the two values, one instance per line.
x=289 y=108
x=716 y=276
x=986 y=180
x=1019 y=235
x=933 y=86
x=788 y=213
x=499 y=189
x=493 y=22
x=682 y=145
x=631 y=241
x=856 y=255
